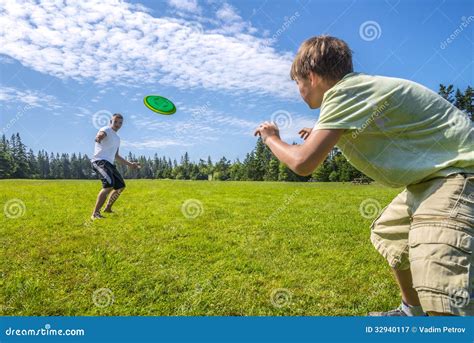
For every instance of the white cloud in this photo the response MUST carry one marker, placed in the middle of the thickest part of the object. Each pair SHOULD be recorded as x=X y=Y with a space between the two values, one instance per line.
x=229 y=22
x=185 y=5
x=28 y=97
x=105 y=41
x=201 y=123
x=227 y=13
x=192 y=130
x=197 y=126
x=154 y=143
x=224 y=123
x=6 y=60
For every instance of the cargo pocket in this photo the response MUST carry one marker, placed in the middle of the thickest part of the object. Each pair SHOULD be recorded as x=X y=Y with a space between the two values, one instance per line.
x=440 y=256
x=463 y=209
x=377 y=218
x=398 y=210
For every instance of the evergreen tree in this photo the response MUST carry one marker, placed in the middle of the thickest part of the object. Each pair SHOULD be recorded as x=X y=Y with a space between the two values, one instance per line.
x=334 y=176
x=200 y=171
x=222 y=169
x=459 y=100
x=261 y=160
x=273 y=169
x=322 y=172
x=469 y=102
x=250 y=167
x=283 y=172
x=32 y=164
x=20 y=158
x=87 y=168
x=446 y=92
x=65 y=167
x=6 y=160
x=236 y=171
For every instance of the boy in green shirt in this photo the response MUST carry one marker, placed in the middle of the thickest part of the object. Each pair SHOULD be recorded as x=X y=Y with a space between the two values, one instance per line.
x=400 y=134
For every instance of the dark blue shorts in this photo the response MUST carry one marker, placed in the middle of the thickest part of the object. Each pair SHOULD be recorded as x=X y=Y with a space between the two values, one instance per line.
x=108 y=174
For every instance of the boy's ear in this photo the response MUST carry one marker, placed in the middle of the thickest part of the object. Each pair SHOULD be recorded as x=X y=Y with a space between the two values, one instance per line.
x=313 y=78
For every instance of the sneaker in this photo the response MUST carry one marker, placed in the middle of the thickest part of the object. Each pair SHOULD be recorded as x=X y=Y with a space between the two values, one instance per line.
x=398 y=312
x=97 y=216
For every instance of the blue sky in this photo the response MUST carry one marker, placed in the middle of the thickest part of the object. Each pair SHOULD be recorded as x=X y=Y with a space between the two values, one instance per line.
x=65 y=68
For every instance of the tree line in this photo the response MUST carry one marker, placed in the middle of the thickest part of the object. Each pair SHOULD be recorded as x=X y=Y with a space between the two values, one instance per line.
x=16 y=161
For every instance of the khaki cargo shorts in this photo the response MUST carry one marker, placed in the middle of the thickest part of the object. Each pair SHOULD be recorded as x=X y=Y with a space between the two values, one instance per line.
x=429 y=228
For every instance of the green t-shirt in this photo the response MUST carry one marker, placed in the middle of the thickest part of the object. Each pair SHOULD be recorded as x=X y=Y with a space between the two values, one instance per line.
x=398 y=132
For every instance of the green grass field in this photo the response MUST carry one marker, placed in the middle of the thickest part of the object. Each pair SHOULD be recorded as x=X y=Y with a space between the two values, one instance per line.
x=256 y=248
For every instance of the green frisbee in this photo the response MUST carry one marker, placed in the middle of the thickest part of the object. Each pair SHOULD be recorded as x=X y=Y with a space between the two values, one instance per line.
x=159 y=104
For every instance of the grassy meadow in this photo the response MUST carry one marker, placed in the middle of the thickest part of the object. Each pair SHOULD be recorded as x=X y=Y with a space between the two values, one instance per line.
x=191 y=248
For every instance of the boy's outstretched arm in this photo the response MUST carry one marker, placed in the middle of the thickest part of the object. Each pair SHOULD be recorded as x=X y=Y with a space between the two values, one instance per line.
x=302 y=159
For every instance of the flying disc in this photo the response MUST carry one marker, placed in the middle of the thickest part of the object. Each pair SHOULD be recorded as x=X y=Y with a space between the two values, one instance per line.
x=159 y=104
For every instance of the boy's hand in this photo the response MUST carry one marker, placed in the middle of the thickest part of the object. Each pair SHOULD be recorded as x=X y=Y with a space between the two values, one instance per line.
x=266 y=130
x=305 y=132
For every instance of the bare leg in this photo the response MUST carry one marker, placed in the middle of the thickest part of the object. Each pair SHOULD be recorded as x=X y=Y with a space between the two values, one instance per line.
x=112 y=198
x=409 y=294
x=405 y=282
x=101 y=197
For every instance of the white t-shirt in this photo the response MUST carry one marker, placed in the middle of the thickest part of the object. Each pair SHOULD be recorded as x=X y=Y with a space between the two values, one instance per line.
x=107 y=148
